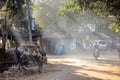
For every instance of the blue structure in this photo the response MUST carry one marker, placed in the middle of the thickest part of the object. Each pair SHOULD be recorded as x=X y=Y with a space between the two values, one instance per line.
x=58 y=49
x=67 y=43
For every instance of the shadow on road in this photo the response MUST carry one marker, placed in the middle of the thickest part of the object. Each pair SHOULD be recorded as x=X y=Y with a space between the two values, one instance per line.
x=62 y=68
x=66 y=72
x=112 y=62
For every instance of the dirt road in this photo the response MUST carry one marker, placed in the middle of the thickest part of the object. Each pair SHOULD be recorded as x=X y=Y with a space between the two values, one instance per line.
x=77 y=68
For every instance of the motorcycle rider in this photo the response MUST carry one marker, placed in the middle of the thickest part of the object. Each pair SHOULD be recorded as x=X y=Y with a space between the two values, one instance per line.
x=96 y=45
x=96 y=50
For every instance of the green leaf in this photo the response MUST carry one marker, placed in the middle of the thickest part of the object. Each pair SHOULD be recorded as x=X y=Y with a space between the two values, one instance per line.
x=77 y=6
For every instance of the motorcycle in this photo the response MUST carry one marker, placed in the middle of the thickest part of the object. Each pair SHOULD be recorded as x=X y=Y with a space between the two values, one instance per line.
x=96 y=54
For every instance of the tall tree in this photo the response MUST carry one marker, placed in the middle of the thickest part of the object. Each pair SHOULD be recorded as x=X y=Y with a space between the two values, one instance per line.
x=103 y=8
x=10 y=8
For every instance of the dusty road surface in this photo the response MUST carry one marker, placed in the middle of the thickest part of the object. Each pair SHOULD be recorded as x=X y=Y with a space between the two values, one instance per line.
x=78 y=68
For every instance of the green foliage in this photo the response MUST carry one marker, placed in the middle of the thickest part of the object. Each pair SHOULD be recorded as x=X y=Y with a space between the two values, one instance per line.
x=68 y=6
x=115 y=26
x=45 y=13
x=13 y=7
x=15 y=10
x=98 y=7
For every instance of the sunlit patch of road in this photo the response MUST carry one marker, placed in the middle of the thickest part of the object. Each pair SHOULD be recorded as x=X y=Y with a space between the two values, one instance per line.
x=90 y=68
x=74 y=68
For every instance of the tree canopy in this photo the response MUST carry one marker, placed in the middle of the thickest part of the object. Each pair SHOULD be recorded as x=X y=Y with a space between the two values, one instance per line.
x=15 y=12
x=12 y=6
x=103 y=8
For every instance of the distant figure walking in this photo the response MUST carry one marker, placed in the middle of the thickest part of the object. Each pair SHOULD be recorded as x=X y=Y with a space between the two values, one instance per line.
x=113 y=45
x=118 y=48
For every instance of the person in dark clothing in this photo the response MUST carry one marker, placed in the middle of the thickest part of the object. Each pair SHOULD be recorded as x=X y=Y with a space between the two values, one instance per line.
x=43 y=53
x=21 y=58
x=18 y=54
